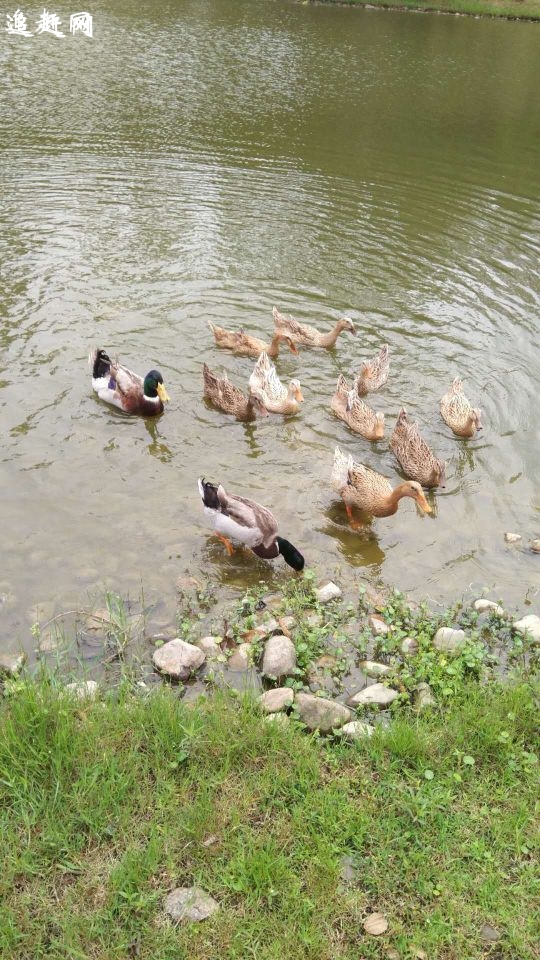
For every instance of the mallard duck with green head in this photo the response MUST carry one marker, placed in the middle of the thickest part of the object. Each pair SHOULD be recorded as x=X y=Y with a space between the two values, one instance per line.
x=247 y=522
x=124 y=389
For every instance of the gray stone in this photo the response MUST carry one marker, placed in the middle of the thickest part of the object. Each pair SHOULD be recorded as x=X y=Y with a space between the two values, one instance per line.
x=320 y=714
x=378 y=626
x=529 y=626
x=409 y=646
x=448 y=640
x=376 y=694
x=99 y=620
x=287 y=624
x=83 y=689
x=535 y=546
x=279 y=659
x=12 y=663
x=330 y=591
x=187 y=583
x=423 y=696
x=275 y=700
x=190 y=903
x=49 y=641
x=357 y=730
x=240 y=658
x=373 y=669
x=210 y=646
x=486 y=606
x=489 y=934
x=178 y=659
x=512 y=537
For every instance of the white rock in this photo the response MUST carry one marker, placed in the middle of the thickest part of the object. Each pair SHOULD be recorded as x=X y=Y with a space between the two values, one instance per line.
x=275 y=700
x=357 y=730
x=377 y=694
x=529 y=626
x=330 y=591
x=210 y=646
x=483 y=606
x=178 y=659
x=240 y=658
x=512 y=537
x=448 y=640
x=535 y=546
x=423 y=696
x=12 y=663
x=83 y=689
x=320 y=714
x=373 y=669
x=378 y=626
x=279 y=658
x=409 y=646
x=277 y=718
x=190 y=903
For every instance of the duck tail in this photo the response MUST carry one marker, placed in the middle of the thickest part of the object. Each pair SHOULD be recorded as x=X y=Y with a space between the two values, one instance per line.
x=209 y=494
x=99 y=363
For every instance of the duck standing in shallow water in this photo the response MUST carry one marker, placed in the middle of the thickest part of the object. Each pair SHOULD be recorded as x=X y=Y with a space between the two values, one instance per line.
x=124 y=389
x=362 y=487
x=458 y=413
x=247 y=522
x=308 y=336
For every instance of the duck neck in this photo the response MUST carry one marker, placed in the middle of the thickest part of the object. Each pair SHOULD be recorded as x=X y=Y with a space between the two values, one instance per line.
x=329 y=339
x=273 y=348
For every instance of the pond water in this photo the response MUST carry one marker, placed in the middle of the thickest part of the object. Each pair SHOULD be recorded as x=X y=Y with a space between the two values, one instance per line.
x=201 y=161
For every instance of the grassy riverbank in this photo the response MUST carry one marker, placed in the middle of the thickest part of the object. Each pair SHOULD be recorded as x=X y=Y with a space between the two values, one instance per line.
x=514 y=10
x=108 y=805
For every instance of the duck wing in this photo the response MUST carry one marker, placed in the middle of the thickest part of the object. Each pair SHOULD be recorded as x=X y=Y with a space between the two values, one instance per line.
x=248 y=513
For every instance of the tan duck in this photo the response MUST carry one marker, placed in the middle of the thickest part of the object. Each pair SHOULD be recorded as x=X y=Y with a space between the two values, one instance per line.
x=230 y=399
x=374 y=373
x=246 y=346
x=415 y=456
x=349 y=407
x=265 y=382
x=457 y=412
x=309 y=336
x=361 y=487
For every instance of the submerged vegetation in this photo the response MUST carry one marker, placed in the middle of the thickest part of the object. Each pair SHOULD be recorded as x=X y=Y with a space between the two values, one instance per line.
x=509 y=9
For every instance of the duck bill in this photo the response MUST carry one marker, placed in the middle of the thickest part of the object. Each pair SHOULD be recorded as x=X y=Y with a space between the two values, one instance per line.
x=299 y=395
x=162 y=393
x=293 y=348
x=422 y=502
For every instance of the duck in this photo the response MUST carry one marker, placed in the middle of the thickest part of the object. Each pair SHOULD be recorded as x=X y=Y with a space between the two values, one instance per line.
x=415 y=456
x=362 y=487
x=374 y=373
x=229 y=398
x=124 y=389
x=276 y=398
x=309 y=336
x=349 y=407
x=457 y=412
x=245 y=345
x=247 y=522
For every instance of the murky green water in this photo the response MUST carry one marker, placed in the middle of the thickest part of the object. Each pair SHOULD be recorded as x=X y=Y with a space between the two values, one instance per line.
x=201 y=161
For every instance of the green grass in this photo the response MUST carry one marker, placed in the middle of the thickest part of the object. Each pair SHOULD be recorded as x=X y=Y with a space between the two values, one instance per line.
x=513 y=9
x=106 y=806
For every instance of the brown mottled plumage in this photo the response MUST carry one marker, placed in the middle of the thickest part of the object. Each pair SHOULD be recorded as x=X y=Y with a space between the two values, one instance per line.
x=230 y=399
x=360 y=486
x=349 y=407
x=308 y=336
x=458 y=413
x=415 y=456
x=373 y=373
x=246 y=346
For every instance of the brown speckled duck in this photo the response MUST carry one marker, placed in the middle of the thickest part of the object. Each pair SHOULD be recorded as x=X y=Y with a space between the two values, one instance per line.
x=230 y=399
x=265 y=382
x=415 y=456
x=374 y=373
x=458 y=413
x=246 y=346
x=362 y=487
x=308 y=336
x=349 y=407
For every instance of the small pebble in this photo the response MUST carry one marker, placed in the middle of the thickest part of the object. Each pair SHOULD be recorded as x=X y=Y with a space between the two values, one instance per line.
x=512 y=537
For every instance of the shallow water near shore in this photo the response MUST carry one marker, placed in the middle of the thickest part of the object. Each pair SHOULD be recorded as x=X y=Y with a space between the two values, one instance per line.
x=205 y=163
